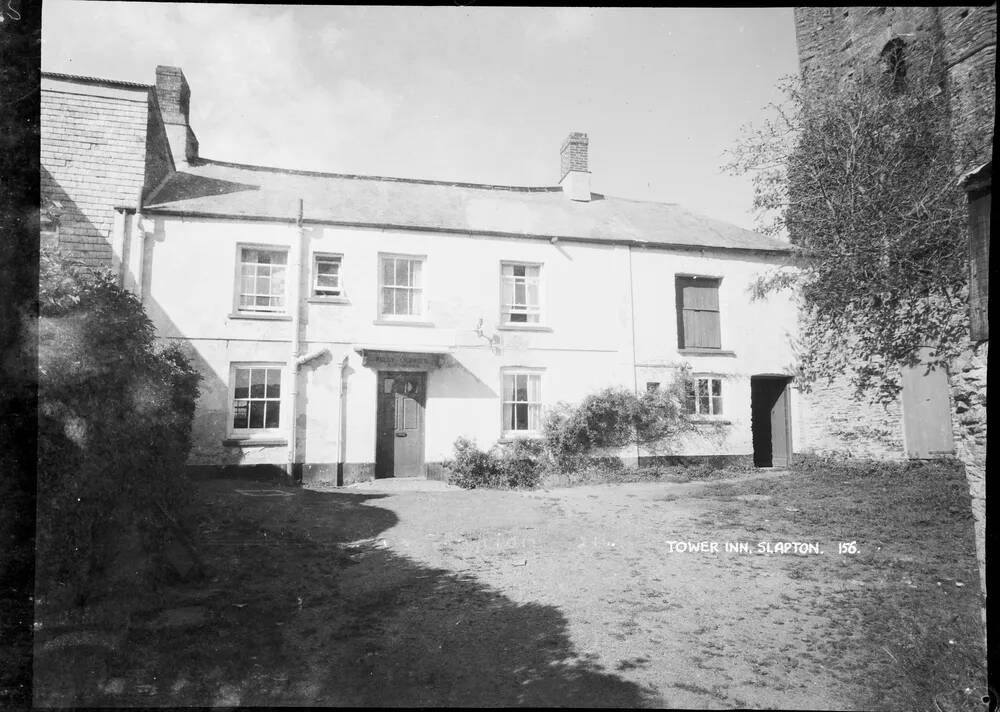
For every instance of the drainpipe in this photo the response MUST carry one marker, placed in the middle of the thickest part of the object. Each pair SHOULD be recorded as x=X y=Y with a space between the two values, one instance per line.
x=631 y=323
x=293 y=365
x=342 y=422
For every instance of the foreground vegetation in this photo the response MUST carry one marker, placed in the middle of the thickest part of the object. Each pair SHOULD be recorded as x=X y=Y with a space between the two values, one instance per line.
x=114 y=426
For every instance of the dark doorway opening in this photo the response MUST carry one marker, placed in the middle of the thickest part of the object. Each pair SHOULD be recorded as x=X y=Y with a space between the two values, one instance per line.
x=770 y=421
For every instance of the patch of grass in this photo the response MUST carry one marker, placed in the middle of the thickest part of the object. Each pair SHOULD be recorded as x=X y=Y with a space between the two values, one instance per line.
x=904 y=621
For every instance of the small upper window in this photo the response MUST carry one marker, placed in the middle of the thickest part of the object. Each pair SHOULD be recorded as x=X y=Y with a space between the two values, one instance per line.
x=894 y=64
x=262 y=279
x=327 y=276
x=704 y=396
x=519 y=293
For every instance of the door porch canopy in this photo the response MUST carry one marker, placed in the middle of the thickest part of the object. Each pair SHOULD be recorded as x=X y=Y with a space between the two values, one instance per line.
x=402 y=358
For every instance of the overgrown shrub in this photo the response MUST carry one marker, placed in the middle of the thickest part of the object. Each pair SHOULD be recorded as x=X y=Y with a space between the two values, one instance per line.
x=513 y=465
x=114 y=427
x=614 y=418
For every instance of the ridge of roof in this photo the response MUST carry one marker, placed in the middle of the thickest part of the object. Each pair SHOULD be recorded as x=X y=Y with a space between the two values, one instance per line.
x=97 y=80
x=387 y=179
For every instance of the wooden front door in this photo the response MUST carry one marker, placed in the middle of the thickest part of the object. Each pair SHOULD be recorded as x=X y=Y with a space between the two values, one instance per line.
x=771 y=423
x=399 y=450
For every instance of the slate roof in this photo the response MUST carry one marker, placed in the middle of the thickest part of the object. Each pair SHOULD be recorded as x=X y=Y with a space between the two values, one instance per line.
x=216 y=189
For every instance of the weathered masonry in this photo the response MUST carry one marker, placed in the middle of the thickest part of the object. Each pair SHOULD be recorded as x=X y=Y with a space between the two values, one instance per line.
x=959 y=44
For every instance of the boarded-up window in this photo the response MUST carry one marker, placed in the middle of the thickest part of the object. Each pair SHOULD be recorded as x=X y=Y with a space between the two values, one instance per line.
x=979 y=258
x=698 y=313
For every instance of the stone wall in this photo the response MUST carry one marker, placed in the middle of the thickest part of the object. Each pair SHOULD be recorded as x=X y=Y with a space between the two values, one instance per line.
x=832 y=422
x=958 y=46
x=968 y=392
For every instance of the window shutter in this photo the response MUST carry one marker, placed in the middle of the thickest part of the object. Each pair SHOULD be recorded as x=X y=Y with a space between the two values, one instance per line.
x=698 y=313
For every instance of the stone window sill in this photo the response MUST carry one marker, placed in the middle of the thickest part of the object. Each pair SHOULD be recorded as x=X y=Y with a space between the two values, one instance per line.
x=253 y=442
x=328 y=300
x=262 y=316
x=401 y=322
x=706 y=352
x=709 y=420
x=524 y=327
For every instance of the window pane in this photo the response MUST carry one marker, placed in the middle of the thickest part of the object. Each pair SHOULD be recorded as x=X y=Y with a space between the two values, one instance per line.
x=508 y=387
x=328 y=267
x=278 y=282
x=273 y=383
x=508 y=416
x=240 y=411
x=242 y=383
x=534 y=388
x=520 y=293
x=520 y=416
x=256 y=414
x=518 y=270
x=532 y=295
x=387 y=303
x=417 y=273
x=534 y=417
x=271 y=413
x=532 y=271
x=702 y=387
x=507 y=270
x=507 y=293
x=717 y=405
x=279 y=258
x=406 y=301
x=521 y=387
x=517 y=317
x=257 y=379
x=652 y=387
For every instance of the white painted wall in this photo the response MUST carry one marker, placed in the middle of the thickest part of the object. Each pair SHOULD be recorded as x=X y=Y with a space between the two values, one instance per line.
x=189 y=283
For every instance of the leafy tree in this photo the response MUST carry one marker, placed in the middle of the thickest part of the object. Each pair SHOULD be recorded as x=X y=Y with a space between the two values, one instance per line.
x=114 y=428
x=860 y=175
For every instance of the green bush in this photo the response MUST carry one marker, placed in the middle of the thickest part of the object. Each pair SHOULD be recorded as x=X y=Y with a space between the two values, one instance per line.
x=114 y=427
x=515 y=465
x=614 y=418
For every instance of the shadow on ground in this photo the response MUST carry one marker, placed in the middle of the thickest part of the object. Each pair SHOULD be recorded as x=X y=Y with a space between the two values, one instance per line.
x=303 y=605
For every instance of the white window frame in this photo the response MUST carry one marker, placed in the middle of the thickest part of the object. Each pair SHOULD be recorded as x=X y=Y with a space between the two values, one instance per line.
x=529 y=309
x=538 y=373
x=251 y=433
x=421 y=315
x=314 y=283
x=238 y=282
x=714 y=411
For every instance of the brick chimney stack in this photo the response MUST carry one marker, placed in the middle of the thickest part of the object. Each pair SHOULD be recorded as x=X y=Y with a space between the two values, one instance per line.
x=574 y=175
x=174 y=97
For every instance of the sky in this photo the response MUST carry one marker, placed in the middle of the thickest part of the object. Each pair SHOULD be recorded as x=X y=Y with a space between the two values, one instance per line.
x=469 y=94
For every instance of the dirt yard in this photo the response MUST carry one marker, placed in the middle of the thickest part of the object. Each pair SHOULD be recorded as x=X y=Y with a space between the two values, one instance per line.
x=567 y=597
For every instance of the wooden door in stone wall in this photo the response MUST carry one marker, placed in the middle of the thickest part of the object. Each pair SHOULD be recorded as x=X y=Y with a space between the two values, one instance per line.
x=926 y=411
